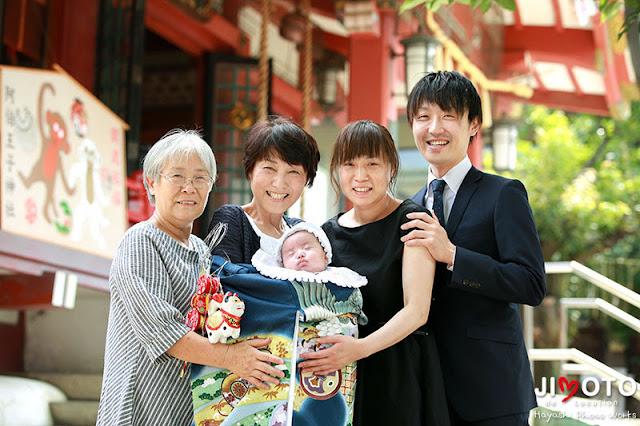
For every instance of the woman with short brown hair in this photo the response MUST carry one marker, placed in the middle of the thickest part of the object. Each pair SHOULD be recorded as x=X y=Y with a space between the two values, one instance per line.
x=280 y=159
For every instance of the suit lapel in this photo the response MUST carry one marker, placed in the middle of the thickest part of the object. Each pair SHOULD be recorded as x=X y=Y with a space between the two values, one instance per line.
x=467 y=189
x=419 y=197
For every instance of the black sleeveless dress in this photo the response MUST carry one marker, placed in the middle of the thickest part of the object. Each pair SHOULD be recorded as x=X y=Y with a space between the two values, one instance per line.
x=401 y=385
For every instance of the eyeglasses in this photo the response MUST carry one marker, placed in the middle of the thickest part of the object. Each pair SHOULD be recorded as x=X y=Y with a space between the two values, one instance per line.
x=199 y=182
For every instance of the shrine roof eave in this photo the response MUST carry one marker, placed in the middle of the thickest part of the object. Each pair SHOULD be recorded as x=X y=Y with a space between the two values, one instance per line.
x=188 y=34
x=23 y=255
x=571 y=102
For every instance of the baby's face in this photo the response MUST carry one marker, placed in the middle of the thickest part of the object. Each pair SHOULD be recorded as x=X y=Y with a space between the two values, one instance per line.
x=303 y=252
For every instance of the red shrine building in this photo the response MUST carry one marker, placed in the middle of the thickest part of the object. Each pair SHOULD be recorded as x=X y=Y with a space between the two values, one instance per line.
x=119 y=74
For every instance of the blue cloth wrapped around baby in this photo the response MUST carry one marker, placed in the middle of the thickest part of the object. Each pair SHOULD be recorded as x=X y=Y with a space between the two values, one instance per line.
x=293 y=314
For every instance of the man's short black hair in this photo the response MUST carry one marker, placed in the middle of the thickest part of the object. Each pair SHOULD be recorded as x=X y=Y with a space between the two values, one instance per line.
x=450 y=90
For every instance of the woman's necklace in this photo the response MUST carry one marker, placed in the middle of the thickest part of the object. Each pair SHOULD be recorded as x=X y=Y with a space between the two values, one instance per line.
x=279 y=231
x=262 y=223
x=266 y=227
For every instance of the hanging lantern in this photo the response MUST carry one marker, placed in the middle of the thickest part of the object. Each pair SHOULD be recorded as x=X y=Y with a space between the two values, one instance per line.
x=505 y=138
x=327 y=71
x=419 y=57
x=292 y=27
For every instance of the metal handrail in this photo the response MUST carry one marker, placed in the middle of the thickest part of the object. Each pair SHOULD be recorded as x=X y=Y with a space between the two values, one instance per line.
x=581 y=358
x=592 y=303
x=599 y=281
x=606 y=284
x=595 y=278
x=588 y=274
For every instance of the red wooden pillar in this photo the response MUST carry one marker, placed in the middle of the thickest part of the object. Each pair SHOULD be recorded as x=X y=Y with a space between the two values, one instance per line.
x=75 y=26
x=370 y=62
x=12 y=353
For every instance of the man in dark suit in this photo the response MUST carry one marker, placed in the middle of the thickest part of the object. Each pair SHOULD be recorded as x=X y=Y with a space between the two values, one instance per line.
x=484 y=238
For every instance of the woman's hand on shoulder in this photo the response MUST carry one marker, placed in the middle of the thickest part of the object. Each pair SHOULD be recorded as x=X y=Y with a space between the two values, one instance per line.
x=344 y=351
x=249 y=362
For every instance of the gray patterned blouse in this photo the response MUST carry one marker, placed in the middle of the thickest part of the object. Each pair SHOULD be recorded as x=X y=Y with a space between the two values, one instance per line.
x=152 y=280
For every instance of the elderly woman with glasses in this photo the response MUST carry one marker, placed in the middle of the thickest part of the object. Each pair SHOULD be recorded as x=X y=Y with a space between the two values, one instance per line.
x=153 y=276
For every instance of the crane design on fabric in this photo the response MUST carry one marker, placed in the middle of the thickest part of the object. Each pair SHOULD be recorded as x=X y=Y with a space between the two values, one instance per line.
x=437 y=186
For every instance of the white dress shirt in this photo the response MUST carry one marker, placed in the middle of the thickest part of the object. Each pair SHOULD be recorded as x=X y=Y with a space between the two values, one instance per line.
x=453 y=180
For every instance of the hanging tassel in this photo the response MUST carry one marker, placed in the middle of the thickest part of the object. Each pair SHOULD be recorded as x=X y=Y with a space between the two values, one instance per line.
x=215 y=236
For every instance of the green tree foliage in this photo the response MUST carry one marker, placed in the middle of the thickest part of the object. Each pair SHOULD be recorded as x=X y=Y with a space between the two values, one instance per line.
x=581 y=173
x=434 y=5
x=608 y=8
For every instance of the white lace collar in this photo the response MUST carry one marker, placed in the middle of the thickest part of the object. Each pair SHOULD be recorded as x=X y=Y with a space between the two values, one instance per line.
x=343 y=277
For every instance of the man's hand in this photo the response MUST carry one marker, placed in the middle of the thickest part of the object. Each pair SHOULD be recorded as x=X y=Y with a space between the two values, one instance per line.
x=429 y=233
x=252 y=364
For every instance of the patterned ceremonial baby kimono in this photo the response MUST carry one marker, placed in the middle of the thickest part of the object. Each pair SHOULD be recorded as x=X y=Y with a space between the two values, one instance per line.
x=293 y=311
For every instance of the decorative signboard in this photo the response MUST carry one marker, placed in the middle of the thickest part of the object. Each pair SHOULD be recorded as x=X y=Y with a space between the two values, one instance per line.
x=63 y=164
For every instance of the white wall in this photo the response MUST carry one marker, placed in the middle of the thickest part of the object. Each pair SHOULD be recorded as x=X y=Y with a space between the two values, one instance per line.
x=68 y=341
x=318 y=201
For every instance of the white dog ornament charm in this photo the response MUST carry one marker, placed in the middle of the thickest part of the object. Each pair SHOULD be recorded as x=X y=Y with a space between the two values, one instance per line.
x=224 y=317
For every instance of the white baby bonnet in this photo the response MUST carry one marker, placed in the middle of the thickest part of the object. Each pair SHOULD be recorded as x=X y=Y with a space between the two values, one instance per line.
x=308 y=227
x=271 y=265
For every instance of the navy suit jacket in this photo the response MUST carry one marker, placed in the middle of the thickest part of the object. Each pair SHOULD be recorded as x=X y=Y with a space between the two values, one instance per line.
x=475 y=312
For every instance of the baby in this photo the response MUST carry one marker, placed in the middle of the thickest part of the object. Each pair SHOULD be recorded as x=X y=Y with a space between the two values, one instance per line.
x=303 y=253
x=304 y=247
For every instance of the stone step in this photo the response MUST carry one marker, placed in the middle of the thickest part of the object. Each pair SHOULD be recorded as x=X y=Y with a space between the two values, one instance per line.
x=74 y=413
x=75 y=386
